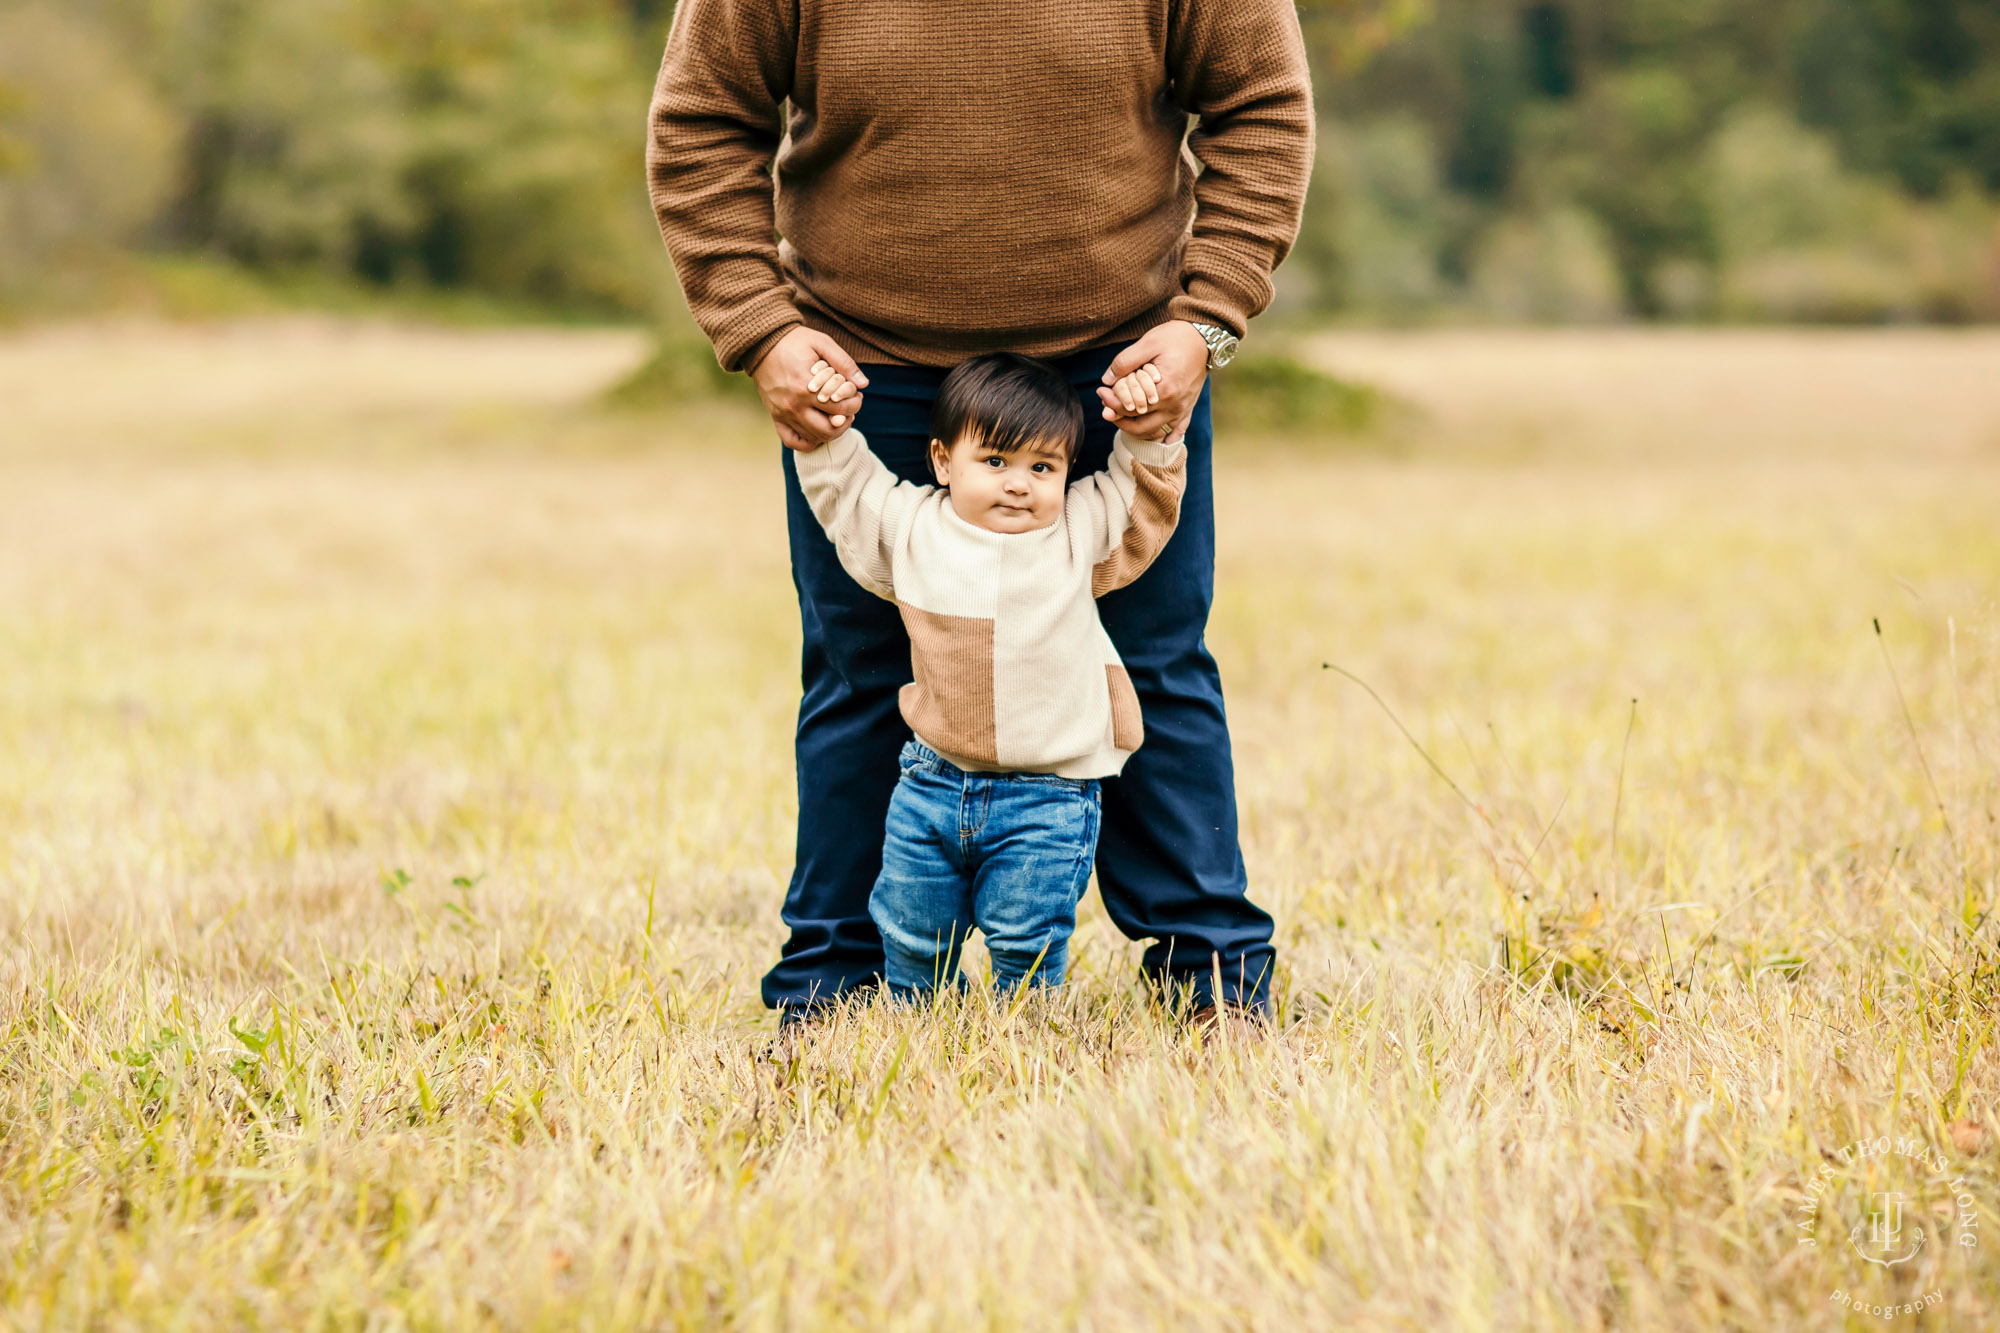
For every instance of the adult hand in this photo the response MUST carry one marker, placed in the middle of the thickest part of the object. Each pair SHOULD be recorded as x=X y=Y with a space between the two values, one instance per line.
x=784 y=381
x=1182 y=357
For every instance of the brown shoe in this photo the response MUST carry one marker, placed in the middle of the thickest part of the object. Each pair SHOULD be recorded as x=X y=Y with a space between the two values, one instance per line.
x=796 y=1030
x=1231 y=1022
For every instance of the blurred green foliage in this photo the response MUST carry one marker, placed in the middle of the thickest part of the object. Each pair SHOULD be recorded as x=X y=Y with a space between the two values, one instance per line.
x=1503 y=159
x=1267 y=392
x=86 y=144
x=493 y=145
x=1599 y=159
x=682 y=367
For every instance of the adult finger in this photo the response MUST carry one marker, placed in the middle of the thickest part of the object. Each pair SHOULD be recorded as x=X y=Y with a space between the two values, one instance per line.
x=823 y=424
x=831 y=352
x=1129 y=360
x=808 y=433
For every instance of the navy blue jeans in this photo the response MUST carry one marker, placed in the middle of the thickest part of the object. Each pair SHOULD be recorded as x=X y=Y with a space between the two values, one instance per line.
x=1009 y=853
x=1168 y=864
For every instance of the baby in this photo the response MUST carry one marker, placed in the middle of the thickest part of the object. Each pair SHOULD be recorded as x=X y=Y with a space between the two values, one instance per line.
x=1019 y=703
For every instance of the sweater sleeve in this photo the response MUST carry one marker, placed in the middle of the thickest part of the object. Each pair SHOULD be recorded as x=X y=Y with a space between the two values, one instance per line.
x=716 y=121
x=1122 y=516
x=1241 y=66
x=861 y=504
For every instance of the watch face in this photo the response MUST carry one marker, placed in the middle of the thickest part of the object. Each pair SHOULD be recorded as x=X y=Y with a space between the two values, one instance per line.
x=1221 y=344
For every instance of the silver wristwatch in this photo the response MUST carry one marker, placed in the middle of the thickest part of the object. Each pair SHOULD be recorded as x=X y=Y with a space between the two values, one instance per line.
x=1222 y=344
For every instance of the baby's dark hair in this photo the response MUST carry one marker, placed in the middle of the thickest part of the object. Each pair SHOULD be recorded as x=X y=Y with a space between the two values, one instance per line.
x=1009 y=400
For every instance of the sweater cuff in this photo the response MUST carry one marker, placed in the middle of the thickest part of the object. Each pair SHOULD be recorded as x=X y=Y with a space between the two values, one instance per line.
x=1152 y=453
x=835 y=454
x=748 y=362
x=1210 y=307
x=754 y=328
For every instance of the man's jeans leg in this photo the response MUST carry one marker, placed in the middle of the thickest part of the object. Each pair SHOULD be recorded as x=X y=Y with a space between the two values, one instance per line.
x=856 y=656
x=1168 y=864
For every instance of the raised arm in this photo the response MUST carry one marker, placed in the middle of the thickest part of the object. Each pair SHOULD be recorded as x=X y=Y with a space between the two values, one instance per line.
x=1241 y=66
x=862 y=506
x=717 y=118
x=1121 y=517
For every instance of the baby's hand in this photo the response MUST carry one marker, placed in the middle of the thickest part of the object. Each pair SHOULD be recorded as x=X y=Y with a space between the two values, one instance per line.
x=1139 y=391
x=830 y=386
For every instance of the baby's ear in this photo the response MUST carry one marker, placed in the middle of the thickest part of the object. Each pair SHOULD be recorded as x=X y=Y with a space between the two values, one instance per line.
x=940 y=462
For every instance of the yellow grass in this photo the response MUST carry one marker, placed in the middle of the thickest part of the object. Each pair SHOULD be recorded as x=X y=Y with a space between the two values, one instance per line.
x=395 y=804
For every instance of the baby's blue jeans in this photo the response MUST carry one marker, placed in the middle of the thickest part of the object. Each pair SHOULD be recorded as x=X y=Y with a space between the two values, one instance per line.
x=1009 y=853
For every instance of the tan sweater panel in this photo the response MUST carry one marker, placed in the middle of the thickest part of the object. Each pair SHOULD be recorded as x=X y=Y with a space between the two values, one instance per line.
x=1013 y=668
x=963 y=176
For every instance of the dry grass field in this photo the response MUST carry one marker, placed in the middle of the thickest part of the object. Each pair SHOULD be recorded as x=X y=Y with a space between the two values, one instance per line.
x=395 y=804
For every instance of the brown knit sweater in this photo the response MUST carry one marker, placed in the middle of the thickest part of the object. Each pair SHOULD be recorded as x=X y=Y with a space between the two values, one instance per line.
x=961 y=176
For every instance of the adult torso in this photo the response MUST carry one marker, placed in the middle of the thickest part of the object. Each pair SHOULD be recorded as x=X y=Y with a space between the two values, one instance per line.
x=967 y=174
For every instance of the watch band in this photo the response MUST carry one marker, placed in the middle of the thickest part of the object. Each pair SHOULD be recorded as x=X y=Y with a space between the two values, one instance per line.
x=1222 y=344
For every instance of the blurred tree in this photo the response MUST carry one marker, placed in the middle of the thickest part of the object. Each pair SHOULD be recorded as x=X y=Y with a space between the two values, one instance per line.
x=1774 y=186
x=1904 y=85
x=1939 y=40
x=86 y=149
x=1551 y=265
x=1499 y=155
x=16 y=154
x=1546 y=30
x=1377 y=214
x=494 y=144
x=1480 y=160
x=1342 y=36
x=1845 y=76
x=1639 y=172
x=296 y=144
x=1960 y=131
x=525 y=173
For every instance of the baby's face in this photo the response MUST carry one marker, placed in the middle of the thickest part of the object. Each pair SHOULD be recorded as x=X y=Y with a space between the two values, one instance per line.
x=1017 y=492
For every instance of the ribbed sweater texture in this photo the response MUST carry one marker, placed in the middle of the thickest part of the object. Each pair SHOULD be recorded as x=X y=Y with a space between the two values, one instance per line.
x=952 y=177
x=1014 y=671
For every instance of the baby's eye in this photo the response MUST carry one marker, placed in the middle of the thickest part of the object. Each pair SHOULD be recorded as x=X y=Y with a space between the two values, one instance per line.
x=996 y=461
x=1043 y=467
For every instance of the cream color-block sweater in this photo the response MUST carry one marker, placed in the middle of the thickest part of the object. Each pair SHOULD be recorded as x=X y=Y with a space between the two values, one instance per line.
x=1014 y=672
